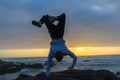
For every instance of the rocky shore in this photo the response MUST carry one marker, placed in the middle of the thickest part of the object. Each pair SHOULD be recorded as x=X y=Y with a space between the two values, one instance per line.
x=73 y=75
x=11 y=67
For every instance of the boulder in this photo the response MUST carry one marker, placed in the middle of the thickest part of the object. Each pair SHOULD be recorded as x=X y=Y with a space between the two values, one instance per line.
x=73 y=75
x=25 y=77
x=8 y=67
x=11 y=67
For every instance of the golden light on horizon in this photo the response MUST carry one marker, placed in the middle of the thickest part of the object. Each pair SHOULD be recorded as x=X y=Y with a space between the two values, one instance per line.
x=92 y=51
x=79 y=51
x=23 y=53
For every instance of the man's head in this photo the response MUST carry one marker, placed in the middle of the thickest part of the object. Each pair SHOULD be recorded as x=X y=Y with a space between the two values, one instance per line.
x=59 y=56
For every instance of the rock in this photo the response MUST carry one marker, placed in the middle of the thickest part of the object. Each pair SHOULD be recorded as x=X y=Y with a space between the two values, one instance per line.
x=8 y=67
x=73 y=75
x=86 y=61
x=22 y=65
x=11 y=67
x=53 y=63
x=118 y=73
x=107 y=75
x=36 y=66
x=0 y=60
x=25 y=77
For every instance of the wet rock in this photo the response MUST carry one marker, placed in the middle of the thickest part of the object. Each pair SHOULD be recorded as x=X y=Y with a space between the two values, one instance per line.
x=36 y=66
x=86 y=61
x=8 y=67
x=53 y=63
x=118 y=73
x=11 y=67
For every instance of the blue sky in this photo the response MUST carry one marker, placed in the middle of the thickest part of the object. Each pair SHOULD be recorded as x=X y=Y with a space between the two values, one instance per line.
x=89 y=22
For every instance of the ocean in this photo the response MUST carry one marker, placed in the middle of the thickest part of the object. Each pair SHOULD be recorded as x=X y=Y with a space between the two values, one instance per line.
x=111 y=62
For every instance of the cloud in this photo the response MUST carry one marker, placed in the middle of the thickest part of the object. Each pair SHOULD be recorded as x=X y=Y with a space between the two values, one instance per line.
x=95 y=22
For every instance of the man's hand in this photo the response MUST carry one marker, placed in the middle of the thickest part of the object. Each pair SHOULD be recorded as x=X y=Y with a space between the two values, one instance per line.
x=70 y=68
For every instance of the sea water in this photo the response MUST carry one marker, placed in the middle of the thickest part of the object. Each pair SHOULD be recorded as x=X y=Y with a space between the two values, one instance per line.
x=111 y=63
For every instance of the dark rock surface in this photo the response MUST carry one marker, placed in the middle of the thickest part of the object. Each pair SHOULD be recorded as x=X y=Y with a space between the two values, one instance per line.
x=86 y=61
x=73 y=75
x=11 y=67
x=118 y=73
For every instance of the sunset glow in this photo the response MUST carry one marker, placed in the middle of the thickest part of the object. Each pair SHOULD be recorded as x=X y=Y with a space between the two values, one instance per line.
x=91 y=51
x=79 y=51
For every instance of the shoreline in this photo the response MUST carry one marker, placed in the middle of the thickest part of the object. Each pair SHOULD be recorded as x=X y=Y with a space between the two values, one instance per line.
x=47 y=56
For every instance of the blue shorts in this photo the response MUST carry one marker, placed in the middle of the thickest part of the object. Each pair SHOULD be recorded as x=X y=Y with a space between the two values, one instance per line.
x=59 y=45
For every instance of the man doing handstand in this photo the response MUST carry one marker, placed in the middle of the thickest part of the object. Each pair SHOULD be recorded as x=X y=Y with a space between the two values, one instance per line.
x=58 y=49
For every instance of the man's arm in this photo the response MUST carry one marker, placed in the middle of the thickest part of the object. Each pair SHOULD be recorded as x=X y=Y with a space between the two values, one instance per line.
x=74 y=60
x=48 y=64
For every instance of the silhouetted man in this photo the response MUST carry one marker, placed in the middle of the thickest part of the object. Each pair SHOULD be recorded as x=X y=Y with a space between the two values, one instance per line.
x=58 y=48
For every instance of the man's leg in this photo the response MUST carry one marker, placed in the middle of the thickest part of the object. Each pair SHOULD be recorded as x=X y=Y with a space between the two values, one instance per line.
x=52 y=18
x=40 y=22
x=48 y=20
x=61 y=23
x=48 y=23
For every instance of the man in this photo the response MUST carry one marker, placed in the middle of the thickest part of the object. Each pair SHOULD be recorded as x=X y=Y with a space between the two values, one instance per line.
x=58 y=48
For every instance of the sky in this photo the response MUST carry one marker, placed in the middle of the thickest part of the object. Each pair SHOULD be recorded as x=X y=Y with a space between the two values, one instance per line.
x=92 y=24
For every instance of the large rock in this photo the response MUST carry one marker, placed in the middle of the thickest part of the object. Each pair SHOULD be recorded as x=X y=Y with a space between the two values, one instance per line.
x=25 y=77
x=36 y=65
x=8 y=67
x=11 y=67
x=74 y=75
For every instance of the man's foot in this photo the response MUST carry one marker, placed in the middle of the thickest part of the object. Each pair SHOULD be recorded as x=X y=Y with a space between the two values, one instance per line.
x=36 y=23
x=52 y=18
